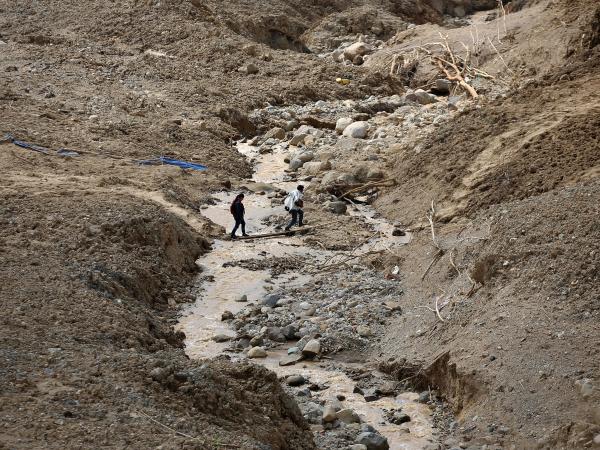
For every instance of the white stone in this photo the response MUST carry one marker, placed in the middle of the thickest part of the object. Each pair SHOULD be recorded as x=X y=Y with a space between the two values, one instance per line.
x=357 y=130
x=342 y=123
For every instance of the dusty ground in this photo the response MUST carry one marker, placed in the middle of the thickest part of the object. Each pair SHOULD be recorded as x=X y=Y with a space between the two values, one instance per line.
x=97 y=252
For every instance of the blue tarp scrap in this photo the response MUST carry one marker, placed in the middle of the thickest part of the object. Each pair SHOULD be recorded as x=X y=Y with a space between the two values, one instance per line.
x=65 y=152
x=23 y=144
x=173 y=162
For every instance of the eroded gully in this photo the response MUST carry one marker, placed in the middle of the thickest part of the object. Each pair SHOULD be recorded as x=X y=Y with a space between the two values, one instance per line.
x=225 y=283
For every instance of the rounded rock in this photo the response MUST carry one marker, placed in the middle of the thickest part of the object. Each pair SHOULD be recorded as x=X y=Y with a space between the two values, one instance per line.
x=257 y=352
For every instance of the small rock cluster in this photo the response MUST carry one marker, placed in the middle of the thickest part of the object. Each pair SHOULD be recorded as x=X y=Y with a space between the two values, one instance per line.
x=332 y=315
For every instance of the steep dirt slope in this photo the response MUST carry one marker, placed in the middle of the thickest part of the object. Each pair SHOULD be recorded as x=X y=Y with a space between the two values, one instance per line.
x=515 y=186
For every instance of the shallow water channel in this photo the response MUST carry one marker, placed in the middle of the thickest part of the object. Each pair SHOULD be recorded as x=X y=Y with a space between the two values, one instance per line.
x=202 y=320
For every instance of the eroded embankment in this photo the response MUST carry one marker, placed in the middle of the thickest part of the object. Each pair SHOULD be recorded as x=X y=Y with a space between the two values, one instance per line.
x=87 y=354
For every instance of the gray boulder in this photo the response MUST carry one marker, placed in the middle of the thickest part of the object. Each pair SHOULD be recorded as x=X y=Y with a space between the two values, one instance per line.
x=373 y=441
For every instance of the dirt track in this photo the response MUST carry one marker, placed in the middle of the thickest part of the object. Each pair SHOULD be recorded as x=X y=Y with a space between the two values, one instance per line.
x=98 y=253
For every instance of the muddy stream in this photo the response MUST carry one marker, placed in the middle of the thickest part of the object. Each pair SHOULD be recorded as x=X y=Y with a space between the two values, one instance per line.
x=202 y=320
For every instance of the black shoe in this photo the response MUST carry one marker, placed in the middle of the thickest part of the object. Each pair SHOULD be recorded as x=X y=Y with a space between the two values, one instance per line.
x=233 y=237
x=287 y=228
x=245 y=234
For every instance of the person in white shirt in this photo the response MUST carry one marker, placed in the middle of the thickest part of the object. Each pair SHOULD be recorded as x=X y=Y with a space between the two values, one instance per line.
x=294 y=204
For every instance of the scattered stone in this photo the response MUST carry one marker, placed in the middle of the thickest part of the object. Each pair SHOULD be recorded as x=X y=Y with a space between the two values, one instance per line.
x=373 y=441
x=370 y=395
x=425 y=98
x=256 y=341
x=329 y=414
x=242 y=298
x=227 y=315
x=364 y=331
x=347 y=415
x=290 y=332
x=586 y=388
x=257 y=352
x=276 y=334
x=358 y=60
x=305 y=305
x=221 y=338
x=293 y=350
x=453 y=102
x=295 y=164
x=249 y=69
x=271 y=300
x=312 y=348
x=337 y=207
x=275 y=133
x=290 y=360
x=291 y=124
x=304 y=393
x=298 y=139
x=309 y=312
x=340 y=397
x=357 y=447
x=443 y=86
x=312 y=412
x=159 y=373
x=398 y=232
x=366 y=428
x=295 y=380
x=342 y=123
x=375 y=174
x=306 y=156
x=356 y=49
x=356 y=130
x=399 y=418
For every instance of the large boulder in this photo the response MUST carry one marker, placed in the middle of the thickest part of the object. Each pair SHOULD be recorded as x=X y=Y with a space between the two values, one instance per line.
x=357 y=130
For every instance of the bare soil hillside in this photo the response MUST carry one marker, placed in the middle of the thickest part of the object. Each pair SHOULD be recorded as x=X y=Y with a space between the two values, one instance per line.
x=99 y=248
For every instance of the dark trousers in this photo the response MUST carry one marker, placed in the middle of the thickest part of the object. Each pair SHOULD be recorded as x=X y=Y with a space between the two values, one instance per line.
x=239 y=221
x=297 y=217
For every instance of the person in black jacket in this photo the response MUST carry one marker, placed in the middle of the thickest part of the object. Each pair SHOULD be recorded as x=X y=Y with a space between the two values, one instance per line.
x=237 y=211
